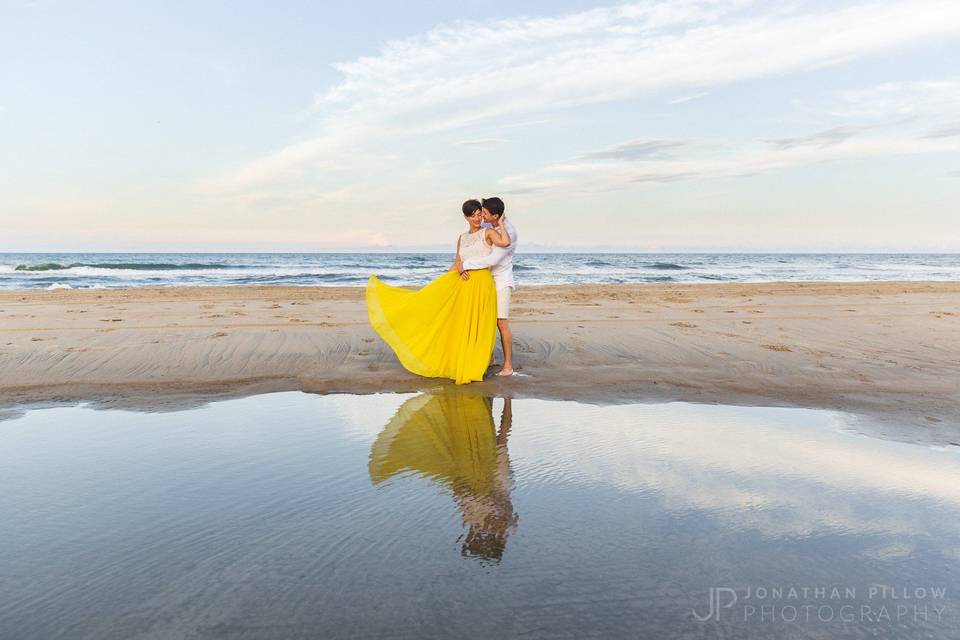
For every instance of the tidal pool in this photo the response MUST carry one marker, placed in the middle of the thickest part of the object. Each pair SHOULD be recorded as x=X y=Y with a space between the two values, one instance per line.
x=450 y=515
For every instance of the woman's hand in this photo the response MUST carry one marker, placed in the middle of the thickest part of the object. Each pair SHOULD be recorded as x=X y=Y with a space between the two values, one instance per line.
x=458 y=265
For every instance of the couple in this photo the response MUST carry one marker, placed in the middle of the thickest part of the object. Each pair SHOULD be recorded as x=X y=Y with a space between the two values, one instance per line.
x=448 y=328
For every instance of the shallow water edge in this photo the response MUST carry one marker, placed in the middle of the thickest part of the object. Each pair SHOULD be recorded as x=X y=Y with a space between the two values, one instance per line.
x=455 y=514
x=890 y=417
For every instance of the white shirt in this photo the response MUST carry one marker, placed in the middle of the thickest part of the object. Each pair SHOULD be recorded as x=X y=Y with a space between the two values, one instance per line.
x=500 y=259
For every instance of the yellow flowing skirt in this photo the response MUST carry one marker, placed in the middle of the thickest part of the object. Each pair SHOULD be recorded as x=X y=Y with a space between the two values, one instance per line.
x=445 y=330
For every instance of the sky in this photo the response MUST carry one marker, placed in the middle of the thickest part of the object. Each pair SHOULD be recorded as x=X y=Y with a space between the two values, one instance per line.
x=688 y=125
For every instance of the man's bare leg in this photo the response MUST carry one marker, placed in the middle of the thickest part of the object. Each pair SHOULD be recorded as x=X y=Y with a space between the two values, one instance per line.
x=506 y=341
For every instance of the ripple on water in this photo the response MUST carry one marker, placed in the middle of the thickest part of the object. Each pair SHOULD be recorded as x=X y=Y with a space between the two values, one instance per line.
x=430 y=515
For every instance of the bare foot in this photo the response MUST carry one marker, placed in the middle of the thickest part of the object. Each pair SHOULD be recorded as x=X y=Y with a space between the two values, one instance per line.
x=504 y=373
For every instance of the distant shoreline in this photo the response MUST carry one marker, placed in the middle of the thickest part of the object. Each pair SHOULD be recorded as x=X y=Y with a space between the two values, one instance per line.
x=527 y=251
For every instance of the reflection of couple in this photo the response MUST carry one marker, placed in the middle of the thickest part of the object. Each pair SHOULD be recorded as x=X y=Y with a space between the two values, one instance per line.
x=447 y=329
x=451 y=439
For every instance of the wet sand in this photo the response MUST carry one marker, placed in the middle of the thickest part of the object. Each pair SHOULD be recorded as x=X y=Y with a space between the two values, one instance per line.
x=888 y=349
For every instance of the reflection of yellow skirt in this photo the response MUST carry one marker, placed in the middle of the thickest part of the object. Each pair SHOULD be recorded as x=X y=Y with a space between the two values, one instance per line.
x=444 y=330
x=448 y=438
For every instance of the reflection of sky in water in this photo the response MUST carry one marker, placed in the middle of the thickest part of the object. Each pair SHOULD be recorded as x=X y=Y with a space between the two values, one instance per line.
x=290 y=515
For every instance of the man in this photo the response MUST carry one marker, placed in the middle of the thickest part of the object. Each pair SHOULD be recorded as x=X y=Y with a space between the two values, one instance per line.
x=500 y=261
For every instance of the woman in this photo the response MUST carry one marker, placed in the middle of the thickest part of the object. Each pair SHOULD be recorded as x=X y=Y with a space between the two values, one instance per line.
x=446 y=329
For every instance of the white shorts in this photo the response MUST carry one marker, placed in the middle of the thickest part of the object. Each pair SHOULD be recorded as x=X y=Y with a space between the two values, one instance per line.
x=503 y=303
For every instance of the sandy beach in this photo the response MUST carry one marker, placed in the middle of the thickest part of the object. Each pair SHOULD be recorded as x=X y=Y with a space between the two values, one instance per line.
x=888 y=349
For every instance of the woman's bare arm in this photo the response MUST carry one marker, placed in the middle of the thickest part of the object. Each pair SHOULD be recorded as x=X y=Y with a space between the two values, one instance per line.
x=456 y=260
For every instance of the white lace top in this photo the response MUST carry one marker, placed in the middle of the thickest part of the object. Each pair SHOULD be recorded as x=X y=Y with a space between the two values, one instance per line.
x=473 y=246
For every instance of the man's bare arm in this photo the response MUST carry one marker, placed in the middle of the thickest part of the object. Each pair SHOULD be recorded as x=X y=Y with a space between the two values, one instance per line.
x=499 y=235
x=483 y=262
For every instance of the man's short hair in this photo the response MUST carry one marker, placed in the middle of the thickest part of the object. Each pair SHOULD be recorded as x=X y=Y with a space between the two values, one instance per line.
x=470 y=206
x=494 y=205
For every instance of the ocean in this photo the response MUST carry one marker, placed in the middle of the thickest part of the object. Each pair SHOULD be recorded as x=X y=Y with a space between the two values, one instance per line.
x=106 y=270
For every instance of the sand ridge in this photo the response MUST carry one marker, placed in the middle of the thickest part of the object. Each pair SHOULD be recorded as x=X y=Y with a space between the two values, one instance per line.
x=882 y=347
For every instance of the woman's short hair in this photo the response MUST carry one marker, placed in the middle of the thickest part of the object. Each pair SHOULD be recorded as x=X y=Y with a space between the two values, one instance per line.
x=470 y=206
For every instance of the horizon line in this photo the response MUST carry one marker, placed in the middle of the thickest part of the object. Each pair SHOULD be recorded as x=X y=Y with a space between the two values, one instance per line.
x=538 y=249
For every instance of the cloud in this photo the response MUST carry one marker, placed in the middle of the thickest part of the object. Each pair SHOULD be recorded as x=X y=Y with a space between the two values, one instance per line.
x=524 y=123
x=928 y=100
x=944 y=132
x=430 y=83
x=675 y=457
x=891 y=126
x=482 y=142
x=664 y=177
x=636 y=150
x=735 y=161
x=695 y=96
x=834 y=135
